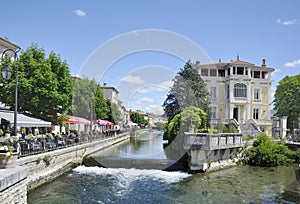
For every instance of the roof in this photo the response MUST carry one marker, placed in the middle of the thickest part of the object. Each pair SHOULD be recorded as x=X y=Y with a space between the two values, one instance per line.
x=223 y=65
x=24 y=120
x=109 y=87
x=241 y=62
x=4 y=44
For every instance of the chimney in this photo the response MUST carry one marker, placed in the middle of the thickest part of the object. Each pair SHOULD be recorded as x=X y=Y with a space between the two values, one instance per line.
x=263 y=64
x=238 y=57
x=219 y=60
x=197 y=62
x=104 y=84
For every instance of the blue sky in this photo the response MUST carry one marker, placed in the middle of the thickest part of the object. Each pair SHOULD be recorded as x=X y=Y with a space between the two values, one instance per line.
x=75 y=29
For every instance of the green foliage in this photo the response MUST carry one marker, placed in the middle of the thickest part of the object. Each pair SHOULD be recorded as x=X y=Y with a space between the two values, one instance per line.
x=266 y=152
x=224 y=129
x=115 y=113
x=191 y=117
x=83 y=104
x=101 y=107
x=160 y=125
x=287 y=98
x=188 y=90
x=138 y=118
x=45 y=85
x=248 y=138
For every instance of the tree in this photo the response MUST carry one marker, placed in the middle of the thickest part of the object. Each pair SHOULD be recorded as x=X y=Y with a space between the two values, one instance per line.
x=266 y=152
x=161 y=126
x=191 y=118
x=114 y=113
x=84 y=98
x=101 y=107
x=138 y=118
x=45 y=85
x=287 y=98
x=188 y=90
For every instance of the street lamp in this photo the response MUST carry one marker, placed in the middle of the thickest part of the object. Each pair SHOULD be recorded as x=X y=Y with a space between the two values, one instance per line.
x=6 y=74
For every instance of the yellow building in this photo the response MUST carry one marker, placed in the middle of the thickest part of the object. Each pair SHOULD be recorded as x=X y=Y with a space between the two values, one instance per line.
x=240 y=93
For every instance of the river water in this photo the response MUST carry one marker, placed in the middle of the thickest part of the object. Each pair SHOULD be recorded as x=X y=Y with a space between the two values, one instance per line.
x=241 y=184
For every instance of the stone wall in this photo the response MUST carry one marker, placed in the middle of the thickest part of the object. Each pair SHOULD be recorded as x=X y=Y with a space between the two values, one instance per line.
x=13 y=185
x=211 y=151
x=47 y=166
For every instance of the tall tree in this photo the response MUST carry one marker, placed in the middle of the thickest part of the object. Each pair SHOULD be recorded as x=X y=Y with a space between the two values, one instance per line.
x=188 y=90
x=287 y=98
x=101 y=107
x=45 y=85
x=114 y=114
x=83 y=104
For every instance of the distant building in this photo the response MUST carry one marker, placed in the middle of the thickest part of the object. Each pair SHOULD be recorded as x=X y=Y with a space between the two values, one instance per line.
x=241 y=91
x=110 y=93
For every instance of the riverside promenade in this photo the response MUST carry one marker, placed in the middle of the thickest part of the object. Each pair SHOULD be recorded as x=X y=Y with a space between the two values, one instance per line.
x=35 y=170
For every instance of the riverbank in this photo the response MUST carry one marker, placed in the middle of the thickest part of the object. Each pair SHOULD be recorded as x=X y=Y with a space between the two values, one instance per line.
x=45 y=167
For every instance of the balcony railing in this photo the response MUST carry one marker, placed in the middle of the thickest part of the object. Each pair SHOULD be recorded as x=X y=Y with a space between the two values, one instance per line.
x=244 y=99
x=207 y=141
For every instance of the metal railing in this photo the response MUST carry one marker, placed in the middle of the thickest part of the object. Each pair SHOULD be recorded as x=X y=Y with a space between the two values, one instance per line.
x=37 y=146
x=212 y=141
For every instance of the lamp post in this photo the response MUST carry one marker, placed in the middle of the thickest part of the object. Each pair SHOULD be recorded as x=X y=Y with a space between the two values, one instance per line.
x=6 y=74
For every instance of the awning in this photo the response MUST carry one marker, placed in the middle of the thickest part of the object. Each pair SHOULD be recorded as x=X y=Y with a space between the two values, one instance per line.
x=24 y=120
x=104 y=122
x=82 y=120
x=71 y=120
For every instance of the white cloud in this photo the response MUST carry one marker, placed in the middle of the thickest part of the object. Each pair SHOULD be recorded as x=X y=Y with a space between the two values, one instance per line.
x=151 y=88
x=287 y=22
x=162 y=87
x=156 y=110
x=293 y=63
x=79 y=12
x=133 y=79
x=167 y=84
x=145 y=100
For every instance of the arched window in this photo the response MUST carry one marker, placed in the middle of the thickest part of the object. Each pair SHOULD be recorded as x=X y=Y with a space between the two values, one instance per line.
x=240 y=90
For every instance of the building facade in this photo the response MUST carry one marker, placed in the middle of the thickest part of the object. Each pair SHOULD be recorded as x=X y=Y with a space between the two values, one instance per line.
x=6 y=44
x=110 y=93
x=239 y=91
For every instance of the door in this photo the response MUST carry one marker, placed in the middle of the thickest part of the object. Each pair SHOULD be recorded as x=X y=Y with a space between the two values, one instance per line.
x=236 y=113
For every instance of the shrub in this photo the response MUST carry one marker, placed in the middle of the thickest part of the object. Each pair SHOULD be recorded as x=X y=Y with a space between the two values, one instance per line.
x=265 y=152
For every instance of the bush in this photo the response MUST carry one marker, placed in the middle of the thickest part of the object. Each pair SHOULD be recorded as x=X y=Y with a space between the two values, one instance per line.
x=265 y=153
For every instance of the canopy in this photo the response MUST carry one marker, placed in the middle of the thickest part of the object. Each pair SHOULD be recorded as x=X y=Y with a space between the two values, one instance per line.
x=82 y=120
x=71 y=120
x=104 y=122
x=24 y=120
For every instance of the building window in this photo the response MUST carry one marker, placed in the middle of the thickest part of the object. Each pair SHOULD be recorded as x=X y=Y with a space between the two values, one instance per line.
x=213 y=112
x=228 y=91
x=213 y=72
x=256 y=94
x=240 y=90
x=204 y=72
x=256 y=75
x=221 y=73
x=213 y=94
x=240 y=70
x=255 y=113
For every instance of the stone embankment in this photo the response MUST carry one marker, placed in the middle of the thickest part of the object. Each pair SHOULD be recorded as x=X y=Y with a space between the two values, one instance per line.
x=47 y=166
x=33 y=171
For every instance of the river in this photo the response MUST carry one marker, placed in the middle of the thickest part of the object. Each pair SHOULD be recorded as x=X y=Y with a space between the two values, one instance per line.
x=241 y=184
